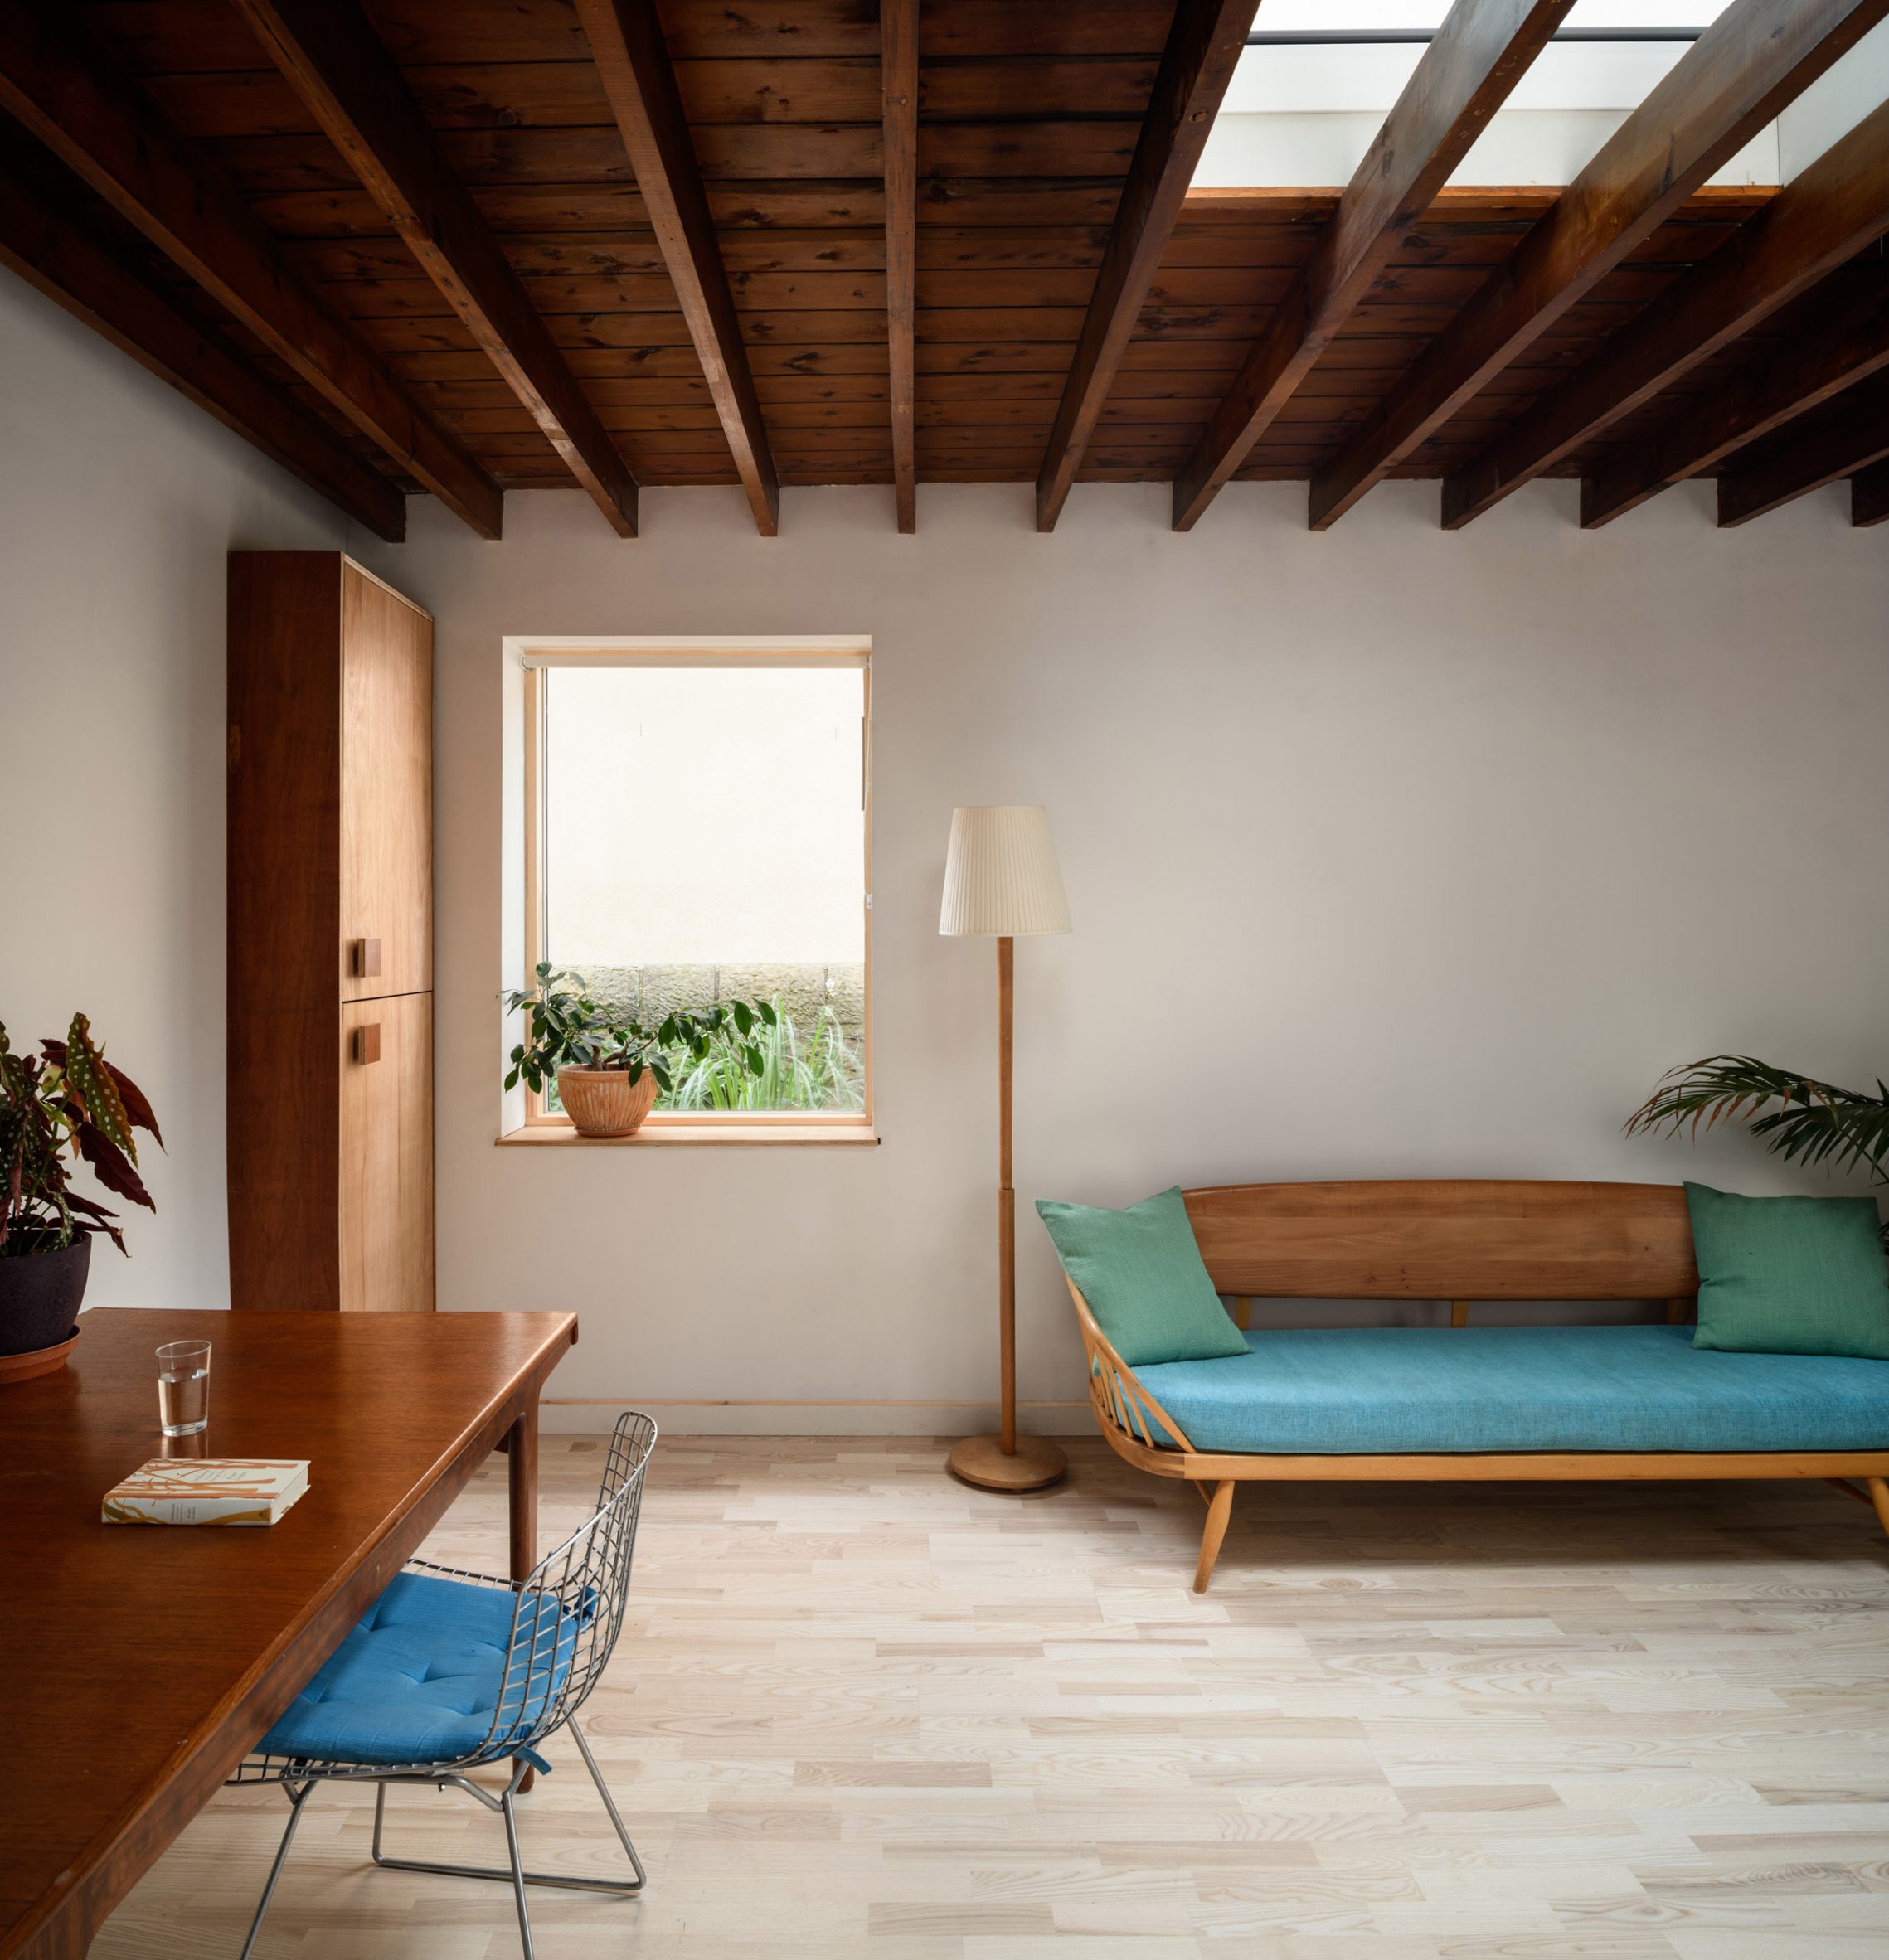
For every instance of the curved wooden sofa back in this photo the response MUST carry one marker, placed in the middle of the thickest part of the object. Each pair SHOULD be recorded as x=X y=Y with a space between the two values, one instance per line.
x=1462 y=1239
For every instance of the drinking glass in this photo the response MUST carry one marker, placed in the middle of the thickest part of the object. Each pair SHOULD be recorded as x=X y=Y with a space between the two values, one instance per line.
x=183 y=1387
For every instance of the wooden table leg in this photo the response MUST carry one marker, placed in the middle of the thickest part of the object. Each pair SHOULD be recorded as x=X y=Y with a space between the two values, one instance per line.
x=522 y=1459
x=521 y=1470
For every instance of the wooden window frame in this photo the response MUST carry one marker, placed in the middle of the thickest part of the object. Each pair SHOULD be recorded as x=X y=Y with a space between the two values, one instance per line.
x=544 y=1126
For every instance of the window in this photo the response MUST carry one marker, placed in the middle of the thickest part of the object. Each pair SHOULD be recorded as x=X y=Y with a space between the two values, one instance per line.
x=697 y=832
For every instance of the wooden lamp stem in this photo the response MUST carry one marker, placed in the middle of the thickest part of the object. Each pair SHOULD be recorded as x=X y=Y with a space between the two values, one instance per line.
x=1007 y=1462
x=1006 y=1197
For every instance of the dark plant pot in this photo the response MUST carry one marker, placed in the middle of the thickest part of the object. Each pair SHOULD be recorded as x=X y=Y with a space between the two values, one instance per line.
x=40 y=1296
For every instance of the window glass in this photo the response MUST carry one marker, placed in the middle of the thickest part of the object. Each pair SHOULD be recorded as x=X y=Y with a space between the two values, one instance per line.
x=703 y=841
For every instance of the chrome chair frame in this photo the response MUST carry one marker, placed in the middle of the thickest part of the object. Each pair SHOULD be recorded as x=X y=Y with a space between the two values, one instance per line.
x=572 y=1607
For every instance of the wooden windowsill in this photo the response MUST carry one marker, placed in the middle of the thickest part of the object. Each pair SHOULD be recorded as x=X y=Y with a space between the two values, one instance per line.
x=693 y=1135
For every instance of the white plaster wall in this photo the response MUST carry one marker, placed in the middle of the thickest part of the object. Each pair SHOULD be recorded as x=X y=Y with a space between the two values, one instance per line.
x=1391 y=853
x=117 y=501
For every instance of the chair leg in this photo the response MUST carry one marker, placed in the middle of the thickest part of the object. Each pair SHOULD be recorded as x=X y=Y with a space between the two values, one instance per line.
x=503 y=1873
x=297 y=1798
x=611 y=1807
x=505 y=1804
x=1879 y=1497
x=1219 y=1513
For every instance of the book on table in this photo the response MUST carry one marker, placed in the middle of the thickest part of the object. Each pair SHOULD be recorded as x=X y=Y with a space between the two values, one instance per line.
x=206 y=1491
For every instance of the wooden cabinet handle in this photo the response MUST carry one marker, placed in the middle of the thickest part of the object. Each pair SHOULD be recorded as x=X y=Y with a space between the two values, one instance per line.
x=364 y=958
x=368 y=1042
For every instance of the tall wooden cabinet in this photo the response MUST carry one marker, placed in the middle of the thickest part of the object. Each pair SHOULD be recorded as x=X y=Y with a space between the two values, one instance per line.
x=330 y=937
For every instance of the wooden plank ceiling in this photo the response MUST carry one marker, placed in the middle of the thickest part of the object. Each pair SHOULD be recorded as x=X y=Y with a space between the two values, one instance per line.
x=441 y=215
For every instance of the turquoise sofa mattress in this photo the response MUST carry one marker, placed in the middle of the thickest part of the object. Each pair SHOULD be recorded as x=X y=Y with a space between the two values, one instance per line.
x=1342 y=1391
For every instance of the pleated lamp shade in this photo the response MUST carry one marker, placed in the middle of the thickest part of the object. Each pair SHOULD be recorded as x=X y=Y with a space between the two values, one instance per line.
x=1001 y=877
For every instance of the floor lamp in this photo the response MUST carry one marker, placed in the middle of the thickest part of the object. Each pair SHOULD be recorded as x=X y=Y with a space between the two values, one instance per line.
x=1001 y=881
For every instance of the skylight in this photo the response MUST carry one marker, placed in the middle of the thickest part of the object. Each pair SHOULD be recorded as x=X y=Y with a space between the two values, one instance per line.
x=1294 y=17
x=1318 y=77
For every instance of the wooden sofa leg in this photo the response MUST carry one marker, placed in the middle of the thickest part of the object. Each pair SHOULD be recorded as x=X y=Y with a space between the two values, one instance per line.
x=1879 y=1497
x=1219 y=1513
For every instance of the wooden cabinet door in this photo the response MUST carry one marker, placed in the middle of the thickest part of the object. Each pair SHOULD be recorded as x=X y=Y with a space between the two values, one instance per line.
x=386 y=792
x=386 y=1155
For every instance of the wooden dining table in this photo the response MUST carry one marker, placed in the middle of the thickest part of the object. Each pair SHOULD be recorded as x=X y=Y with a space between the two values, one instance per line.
x=145 y=1662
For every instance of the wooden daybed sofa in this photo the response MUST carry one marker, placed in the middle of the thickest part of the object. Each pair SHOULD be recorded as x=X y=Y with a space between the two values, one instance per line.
x=1459 y=1403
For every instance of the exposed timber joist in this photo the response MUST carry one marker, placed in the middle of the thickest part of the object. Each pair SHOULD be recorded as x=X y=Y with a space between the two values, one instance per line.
x=1849 y=342
x=332 y=57
x=626 y=40
x=1869 y=495
x=1837 y=208
x=1757 y=57
x=1840 y=441
x=50 y=248
x=898 y=42
x=99 y=122
x=1202 y=50
x=1482 y=49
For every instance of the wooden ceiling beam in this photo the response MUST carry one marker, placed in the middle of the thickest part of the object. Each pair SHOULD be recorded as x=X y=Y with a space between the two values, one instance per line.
x=49 y=248
x=898 y=42
x=1849 y=342
x=99 y=122
x=1845 y=439
x=1757 y=57
x=331 y=57
x=626 y=40
x=1482 y=49
x=1869 y=495
x=1203 y=48
x=1838 y=207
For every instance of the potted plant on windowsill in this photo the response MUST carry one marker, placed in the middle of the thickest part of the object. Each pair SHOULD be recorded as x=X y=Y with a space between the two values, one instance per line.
x=608 y=1067
x=61 y=1104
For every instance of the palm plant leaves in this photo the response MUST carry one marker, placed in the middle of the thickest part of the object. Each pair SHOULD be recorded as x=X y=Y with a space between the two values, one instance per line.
x=1813 y=1122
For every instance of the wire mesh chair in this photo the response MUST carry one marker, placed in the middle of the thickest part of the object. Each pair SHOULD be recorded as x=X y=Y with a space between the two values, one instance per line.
x=564 y=1622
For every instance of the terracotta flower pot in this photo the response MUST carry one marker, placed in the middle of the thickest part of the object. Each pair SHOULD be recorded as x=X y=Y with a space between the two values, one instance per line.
x=605 y=1102
x=40 y=1294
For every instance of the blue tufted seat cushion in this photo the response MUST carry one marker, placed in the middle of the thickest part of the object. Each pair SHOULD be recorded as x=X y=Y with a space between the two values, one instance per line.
x=1380 y=1390
x=423 y=1672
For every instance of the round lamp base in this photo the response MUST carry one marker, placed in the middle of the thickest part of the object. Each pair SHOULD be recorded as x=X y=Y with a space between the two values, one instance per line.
x=980 y=1460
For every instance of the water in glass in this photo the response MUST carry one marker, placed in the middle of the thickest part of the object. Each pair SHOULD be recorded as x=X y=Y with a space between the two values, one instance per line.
x=183 y=1387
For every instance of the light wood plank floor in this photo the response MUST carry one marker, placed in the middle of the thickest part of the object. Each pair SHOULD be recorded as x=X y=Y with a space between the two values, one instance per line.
x=863 y=1713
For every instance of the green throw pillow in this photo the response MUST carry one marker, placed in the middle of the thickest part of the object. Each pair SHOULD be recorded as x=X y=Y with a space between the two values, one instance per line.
x=1144 y=1280
x=1789 y=1275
